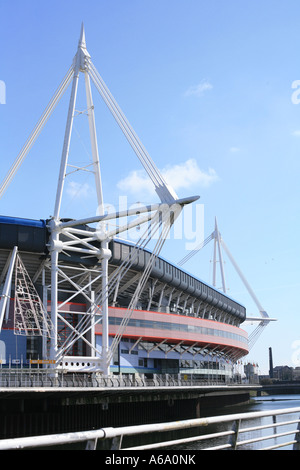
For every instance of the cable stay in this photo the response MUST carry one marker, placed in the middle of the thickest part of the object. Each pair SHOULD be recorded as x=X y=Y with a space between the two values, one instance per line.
x=37 y=130
x=165 y=193
x=195 y=251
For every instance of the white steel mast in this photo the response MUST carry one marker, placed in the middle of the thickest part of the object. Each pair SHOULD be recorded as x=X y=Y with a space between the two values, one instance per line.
x=68 y=237
x=219 y=243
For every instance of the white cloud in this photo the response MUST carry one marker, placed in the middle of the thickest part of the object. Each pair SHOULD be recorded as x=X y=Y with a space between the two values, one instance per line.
x=189 y=174
x=234 y=149
x=296 y=133
x=199 y=89
x=136 y=182
x=182 y=176
x=77 y=190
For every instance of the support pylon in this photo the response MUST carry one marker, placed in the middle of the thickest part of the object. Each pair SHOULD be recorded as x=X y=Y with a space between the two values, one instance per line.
x=217 y=244
x=68 y=237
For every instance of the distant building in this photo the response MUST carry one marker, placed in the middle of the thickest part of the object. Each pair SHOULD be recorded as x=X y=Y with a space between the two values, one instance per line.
x=251 y=372
x=296 y=373
x=283 y=373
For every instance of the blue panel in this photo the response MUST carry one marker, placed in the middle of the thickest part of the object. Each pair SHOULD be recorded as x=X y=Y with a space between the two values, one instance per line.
x=28 y=235
x=18 y=221
x=15 y=346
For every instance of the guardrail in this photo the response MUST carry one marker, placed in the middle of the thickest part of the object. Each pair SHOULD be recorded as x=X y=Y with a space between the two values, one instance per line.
x=49 y=378
x=233 y=440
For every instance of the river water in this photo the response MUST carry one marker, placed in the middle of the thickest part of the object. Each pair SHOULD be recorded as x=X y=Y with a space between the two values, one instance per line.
x=266 y=403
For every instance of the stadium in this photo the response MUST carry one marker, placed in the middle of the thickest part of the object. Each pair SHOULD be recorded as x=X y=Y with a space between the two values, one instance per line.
x=78 y=298
x=180 y=325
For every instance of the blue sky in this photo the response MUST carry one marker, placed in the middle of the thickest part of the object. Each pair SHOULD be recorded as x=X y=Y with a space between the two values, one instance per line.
x=207 y=86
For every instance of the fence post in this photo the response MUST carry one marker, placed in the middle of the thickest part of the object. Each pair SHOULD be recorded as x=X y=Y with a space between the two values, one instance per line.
x=296 y=445
x=91 y=444
x=116 y=443
x=234 y=437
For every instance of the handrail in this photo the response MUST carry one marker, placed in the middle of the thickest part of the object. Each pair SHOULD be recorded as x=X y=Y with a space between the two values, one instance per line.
x=117 y=434
x=31 y=378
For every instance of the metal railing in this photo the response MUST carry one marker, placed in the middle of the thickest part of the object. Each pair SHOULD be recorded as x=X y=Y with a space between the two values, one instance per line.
x=49 y=378
x=239 y=435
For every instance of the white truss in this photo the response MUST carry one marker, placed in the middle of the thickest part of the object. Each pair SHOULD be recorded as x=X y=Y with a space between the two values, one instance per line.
x=30 y=316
